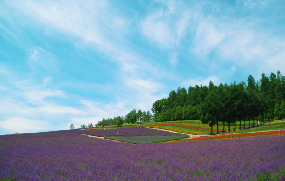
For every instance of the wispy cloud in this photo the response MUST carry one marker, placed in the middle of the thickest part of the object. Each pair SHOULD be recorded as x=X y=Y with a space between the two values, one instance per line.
x=207 y=39
x=156 y=28
x=182 y=25
x=42 y=110
x=40 y=58
x=23 y=125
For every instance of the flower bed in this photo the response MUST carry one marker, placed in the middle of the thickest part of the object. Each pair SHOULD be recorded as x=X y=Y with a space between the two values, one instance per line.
x=184 y=125
x=177 y=130
x=235 y=136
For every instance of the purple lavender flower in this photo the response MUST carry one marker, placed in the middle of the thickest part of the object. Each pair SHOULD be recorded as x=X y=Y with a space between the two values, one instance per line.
x=65 y=155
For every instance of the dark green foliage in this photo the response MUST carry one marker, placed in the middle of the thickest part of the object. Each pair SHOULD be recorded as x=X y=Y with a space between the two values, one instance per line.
x=119 y=121
x=262 y=100
x=131 y=118
x=71 y=126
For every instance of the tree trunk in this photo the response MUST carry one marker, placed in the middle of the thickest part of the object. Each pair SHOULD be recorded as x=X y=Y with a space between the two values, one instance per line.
x=217 y=127
x=223 y=126
x=229 y=126
x=239 y=124
x=211 y=129
x=244 y=124
x=249 y=123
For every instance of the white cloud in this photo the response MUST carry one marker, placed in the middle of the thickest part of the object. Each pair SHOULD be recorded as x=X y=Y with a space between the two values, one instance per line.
x=23 y=125
x=274 y=63
x=40 y=58
x=39 y=95
x=9 y=32
x=250 y=48
x=101 y=110
x=142 y=93
x=9 y=107
x=156 y=29
x=35 y=93
x=238 y=42
x=97 y=24
x=35 y=55
x=182 y=25
x=56 y=109
x=207 y=39
x=140 y=85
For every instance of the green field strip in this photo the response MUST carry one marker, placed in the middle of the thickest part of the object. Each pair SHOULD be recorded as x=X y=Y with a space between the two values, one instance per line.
x=181 y=128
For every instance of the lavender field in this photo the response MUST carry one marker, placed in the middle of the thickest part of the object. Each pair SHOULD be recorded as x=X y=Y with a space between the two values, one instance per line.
x=136 y=135
x=66 y=155
x=132 y=131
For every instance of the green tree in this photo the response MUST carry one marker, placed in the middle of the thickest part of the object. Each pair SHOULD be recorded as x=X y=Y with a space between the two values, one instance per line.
x=131 y=117
x=277 y=110
x=146 y=116
x=212 y=107
x=282 y=109
x=251 y=84
x=90 y=125
x=119 y=121
x=71 y=126
x=181 y=96
x=193 y=97
x=172 y=99
x=159 y=105
x=139 y=115
x=178 y=113
x=264 y=88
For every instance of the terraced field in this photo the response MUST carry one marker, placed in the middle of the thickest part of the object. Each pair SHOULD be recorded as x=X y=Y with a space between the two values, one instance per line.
x=197 y=128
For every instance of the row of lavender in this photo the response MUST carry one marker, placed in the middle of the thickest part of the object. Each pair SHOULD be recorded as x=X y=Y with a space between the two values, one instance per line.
x=68 y=156
x=136 y=135
x=132 y=131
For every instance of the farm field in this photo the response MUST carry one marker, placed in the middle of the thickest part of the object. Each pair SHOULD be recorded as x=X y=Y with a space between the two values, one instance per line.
x=197 y=128
x=68 y=155
x=136 y=135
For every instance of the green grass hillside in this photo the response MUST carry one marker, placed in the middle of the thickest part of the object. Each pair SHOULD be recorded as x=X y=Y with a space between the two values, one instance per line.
x=198 y=128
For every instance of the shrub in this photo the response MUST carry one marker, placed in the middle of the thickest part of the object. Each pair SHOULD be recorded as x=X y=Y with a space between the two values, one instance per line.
x=275 y=118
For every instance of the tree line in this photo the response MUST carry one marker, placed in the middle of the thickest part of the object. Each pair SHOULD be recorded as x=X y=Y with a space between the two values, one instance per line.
x=236 y=102
x=130 y=118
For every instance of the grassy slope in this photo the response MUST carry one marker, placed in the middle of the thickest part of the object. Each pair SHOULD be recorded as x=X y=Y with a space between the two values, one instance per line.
x=193 y=127
x=196 y=126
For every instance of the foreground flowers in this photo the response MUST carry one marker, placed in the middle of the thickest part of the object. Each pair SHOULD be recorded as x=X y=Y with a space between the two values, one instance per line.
x=234 y=136
x=65 y=155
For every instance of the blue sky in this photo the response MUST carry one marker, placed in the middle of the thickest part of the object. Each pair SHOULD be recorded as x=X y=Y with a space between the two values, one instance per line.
x=64 y=62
